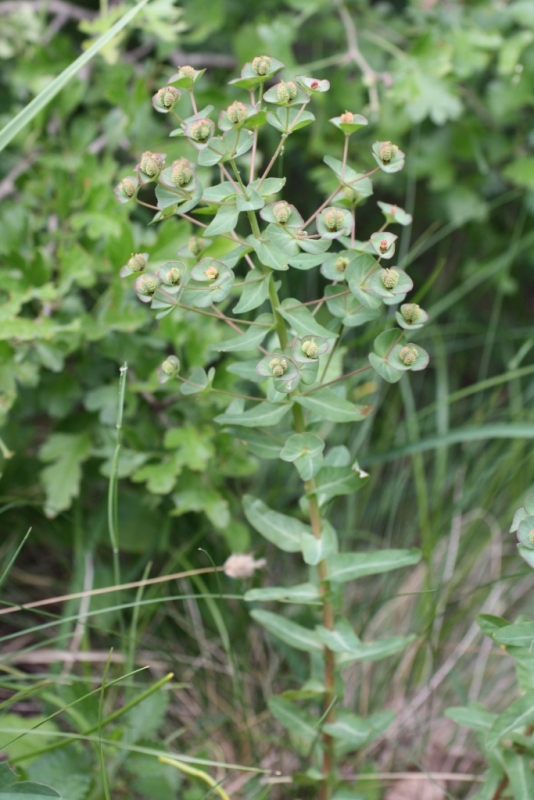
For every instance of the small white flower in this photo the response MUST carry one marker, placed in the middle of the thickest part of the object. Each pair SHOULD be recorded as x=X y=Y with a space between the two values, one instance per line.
x=242 y=565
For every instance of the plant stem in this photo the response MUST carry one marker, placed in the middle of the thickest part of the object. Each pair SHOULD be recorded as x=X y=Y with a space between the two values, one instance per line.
x=328 y=622
x=328 y=609
x=113 y=513
x=273 y=159
x=328 y=200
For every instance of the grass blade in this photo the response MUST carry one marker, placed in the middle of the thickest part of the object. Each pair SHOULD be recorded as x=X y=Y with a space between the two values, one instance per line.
x=25 y=116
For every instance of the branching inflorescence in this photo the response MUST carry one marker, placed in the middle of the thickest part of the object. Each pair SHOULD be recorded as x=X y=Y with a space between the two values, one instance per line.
x=294 y=370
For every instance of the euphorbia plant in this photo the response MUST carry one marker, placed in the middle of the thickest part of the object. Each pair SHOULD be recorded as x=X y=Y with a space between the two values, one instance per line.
x=289 y=344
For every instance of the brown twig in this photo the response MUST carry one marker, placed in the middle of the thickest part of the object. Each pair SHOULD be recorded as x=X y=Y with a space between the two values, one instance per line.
x=355 y=54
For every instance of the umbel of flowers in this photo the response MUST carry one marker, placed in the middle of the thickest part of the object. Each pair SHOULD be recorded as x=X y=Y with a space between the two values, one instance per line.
x=289 y=396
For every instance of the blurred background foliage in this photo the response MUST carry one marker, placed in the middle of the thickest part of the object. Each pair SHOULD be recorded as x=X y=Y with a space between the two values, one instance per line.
x=449 y=452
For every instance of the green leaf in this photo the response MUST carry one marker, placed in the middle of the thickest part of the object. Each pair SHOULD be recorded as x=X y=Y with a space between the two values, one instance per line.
x=301 y=593
x=327 y=405
x=224 y=221
x=385 y=370
x=519 y=770
x=283 y=531
x=334 y=481
x=315 y=550
x=198 y=382
x=27 y=791
x=250 y=340
x=66 y=770
x=254 y=293
x=491 y=785
x=305 y=261
x=519 y=635
x=348 y=308
x=269 y=255
x=521 y=172
x=254 y=203
x=507 y=430
x=202 y=290
x=259 y=444
x=529 y=504
x=527 y=554
x=62 y=478
x=291 y=633
x=302 y=320
x=375 y=651
x=30 y=734
x=516 y=717
x=262 y=415
x=348 y=566
x=269 y=186
x=213 y=153
x=351 y=729
x=472 y=716
x=526 y=527
x=490 y=624
x=33 y=108
x=305 y=449
x=220 y=192
x=160 y=478
x=519 y=516
x=341 y=639
x=299 y=723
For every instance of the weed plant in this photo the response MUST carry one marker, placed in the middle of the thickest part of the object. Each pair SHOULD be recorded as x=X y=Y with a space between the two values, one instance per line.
x=454 y=462
x=291 y=356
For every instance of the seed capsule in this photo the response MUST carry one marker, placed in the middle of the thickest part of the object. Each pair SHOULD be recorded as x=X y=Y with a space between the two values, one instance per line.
x=186 y=72
x=261 y=65
x=211 y=273
x=411 y=312
x=181 y=172
x=146 y=285
x=347 y=117
x=383 y=246
x=237 y=112
x=282 y=212
x=127 y=187
x=387 y=152
x=202 y=130
x=334 y=219
x=137 y=262
x=173 y=276
x=286 y=91
x=151 y=163
x=196 y=245
x=168 y=96
x=310 y=348
x=168 y=367
x=341 y=264
x=278 y=367
x=408 y=355
x=390 y=278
